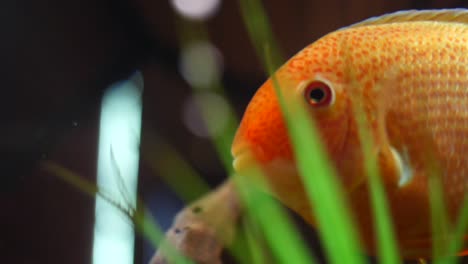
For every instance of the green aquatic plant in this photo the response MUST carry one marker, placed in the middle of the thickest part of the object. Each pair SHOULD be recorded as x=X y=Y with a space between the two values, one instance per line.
x=273 y=222
x=140 y=217
x=265 y=218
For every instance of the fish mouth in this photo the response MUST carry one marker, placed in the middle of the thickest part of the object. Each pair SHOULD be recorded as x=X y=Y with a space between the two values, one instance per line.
x=243 y=157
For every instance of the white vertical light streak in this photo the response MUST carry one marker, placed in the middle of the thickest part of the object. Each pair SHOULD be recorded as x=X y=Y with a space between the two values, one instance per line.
x=117 y=170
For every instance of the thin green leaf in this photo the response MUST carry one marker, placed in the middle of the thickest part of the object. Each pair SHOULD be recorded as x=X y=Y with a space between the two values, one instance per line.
x=171 y=166
x=252 y=235
x=387 y=245
x=336 y=229
x=257 y=24
x=440 y=225
x=460 y=230
x=281 y=235
x=142 y=220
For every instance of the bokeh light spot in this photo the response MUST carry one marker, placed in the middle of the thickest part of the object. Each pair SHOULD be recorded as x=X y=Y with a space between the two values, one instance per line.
x=206 y=115
x=196 y=9
x=201 y=64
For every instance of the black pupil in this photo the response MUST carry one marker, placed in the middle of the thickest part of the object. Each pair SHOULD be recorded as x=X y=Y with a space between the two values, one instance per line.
x=317 y=94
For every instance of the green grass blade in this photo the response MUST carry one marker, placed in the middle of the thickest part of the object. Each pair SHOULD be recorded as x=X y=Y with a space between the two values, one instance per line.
x=459 y=232
x=387 y=245
x=440 y=225
x=171 y=166
x=71 y=178
x=181 y=177
x=447 y=239
x=142 y=221
x=336 y=229
x=223 y=141
x=254 y=243
x=257 y=23
x=189 y=33
x=335 y=226
x=145 y=224
x=280 y=233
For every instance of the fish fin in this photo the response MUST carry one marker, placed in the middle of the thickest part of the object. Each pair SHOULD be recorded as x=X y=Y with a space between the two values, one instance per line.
x=404 y=168
x=392 y=140
x=398 y=161
x=457 y=15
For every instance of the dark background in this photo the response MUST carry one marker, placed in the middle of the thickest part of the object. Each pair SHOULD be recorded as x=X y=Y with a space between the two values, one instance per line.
x=57 y=57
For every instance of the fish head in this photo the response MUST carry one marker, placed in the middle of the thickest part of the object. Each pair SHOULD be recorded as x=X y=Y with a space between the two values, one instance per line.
x=313 y=79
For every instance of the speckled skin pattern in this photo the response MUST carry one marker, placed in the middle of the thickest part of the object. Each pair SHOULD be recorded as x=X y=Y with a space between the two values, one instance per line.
x=411 y=81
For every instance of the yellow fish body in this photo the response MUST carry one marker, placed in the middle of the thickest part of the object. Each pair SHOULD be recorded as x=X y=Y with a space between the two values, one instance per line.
x=410 y=72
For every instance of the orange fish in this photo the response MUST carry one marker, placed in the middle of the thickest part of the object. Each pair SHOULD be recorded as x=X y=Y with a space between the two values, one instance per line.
x=410 y=71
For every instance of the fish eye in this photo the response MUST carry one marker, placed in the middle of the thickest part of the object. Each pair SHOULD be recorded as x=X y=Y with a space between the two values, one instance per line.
x=318 y=94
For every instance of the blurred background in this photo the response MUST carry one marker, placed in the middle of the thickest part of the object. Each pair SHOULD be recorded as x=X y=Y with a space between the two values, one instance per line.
x=59 y=57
